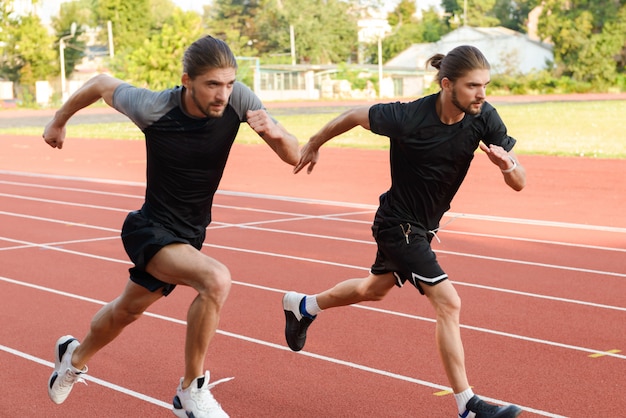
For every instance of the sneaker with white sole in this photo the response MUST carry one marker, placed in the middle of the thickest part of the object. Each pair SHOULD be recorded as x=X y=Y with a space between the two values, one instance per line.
x=296 y=324
x=197 y=401
x=482 y=409
x=64 y=375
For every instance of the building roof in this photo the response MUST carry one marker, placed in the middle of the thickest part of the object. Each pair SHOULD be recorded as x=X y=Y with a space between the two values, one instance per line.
x=505 y=49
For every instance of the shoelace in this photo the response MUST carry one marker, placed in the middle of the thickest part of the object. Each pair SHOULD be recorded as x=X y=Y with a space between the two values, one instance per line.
x=206 y=401
x=69 y=378
x=217 y=382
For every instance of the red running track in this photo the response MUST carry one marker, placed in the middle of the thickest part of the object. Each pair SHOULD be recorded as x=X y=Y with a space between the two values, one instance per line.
x=541 y=273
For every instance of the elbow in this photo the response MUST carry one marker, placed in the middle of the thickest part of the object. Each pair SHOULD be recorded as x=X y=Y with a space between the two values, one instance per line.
x=292 y=159
x=516 y=179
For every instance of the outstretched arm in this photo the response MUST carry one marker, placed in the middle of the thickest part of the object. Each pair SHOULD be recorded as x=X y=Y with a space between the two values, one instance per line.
x=358 y=116
x=99 y=87
x=275 y=135
x=513 y=172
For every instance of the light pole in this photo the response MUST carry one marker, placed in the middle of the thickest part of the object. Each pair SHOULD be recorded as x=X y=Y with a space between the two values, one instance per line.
x=380 y=64
x=62 y=59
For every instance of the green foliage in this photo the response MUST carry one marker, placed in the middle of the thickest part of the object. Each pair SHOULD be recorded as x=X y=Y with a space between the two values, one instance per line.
x=408 y=31
x=479 y=13
x=357 y=78
x=620 y=83
x=433 y=27
x=157 y=64
x=403 y=13
x=589 y=38
x=28 y=52
x=235 y=21
x=512 y=14
x=132 y=21
x=73 y=12
x=539 y=82
x=324 y=30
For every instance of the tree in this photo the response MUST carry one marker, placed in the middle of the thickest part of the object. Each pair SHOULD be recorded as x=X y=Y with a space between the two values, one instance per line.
x=6 y=22
x=408 y=30
x=589 y=38
x=235 y=22
x=513 y=14
x=325 y=30
x=403 y=13
x=157 y=63
x=480 y=13
x=74 y=12
x=131 y=21
x=28 y=53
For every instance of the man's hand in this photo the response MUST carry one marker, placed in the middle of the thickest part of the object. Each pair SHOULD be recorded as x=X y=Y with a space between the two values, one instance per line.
x=498 y=156
x=53 y=135
x=308 y=157
x=513 y=172
x=262 y=124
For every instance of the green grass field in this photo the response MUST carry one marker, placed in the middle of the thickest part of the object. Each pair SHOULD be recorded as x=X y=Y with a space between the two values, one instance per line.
x=590 y=129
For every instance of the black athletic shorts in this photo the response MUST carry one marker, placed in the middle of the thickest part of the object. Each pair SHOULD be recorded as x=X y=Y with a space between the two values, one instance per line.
x=404 y=250
x=142 y=239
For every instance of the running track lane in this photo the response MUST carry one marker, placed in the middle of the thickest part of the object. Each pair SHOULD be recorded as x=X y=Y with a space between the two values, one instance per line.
x=533 y=327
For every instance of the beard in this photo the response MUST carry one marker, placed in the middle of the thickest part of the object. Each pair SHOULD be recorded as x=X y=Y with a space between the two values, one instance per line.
x=466 y=109
x=206 y=110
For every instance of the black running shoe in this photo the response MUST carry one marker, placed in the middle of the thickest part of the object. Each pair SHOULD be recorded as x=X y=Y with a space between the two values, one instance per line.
x=296 y=324
x=483 y=409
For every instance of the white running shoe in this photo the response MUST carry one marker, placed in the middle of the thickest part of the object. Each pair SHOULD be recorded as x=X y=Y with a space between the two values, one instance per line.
x=197 y=401
x=64 y=375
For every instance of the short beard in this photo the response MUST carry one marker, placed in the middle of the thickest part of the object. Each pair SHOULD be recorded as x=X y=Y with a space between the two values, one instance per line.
x=468 y=110
x=206 y=111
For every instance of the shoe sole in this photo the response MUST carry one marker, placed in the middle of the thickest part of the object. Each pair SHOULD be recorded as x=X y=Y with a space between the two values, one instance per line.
x=510 y=411
x=179 y=411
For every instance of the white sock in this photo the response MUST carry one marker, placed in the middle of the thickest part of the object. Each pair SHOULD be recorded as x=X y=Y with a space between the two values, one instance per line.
x=462 y=399
x=310 y=305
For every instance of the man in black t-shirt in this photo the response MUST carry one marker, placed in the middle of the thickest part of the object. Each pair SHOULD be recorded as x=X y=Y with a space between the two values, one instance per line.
x=189 y=131
x=432 y=143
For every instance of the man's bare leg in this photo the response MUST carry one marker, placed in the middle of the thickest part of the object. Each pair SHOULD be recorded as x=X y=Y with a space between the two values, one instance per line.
x=447 y=305
x=182 y=264
x=111 y=320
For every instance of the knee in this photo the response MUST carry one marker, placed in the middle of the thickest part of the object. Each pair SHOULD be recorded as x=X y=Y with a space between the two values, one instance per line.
x=450 y=306
x=215 y=283
x=123 y=314
x=373 y=293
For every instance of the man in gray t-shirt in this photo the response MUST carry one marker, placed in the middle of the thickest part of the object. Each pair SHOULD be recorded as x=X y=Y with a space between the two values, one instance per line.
x=189 y=131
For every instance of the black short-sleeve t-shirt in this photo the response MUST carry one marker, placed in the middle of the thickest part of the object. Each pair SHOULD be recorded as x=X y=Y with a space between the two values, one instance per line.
x=430 y=159
x=186 y=155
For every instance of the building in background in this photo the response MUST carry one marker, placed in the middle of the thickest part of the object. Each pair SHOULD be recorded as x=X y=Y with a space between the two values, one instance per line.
x=508 y=51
